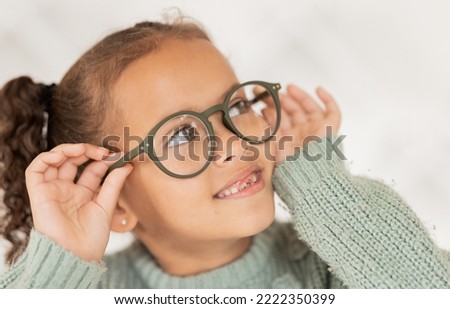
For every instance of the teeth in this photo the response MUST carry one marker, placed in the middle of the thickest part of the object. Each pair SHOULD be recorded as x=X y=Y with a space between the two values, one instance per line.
x=239 y=186
x=243 y=186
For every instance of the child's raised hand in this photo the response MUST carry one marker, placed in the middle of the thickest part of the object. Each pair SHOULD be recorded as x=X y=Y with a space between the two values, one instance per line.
x=301 y=117
x=76 y=215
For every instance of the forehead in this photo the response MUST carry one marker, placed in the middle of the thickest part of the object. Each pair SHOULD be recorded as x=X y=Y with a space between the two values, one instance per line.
x=179 y=75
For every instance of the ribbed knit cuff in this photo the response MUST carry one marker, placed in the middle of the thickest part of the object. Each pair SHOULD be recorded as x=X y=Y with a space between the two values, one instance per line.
x=300 y=181
x=48 y=265
x=359 y=226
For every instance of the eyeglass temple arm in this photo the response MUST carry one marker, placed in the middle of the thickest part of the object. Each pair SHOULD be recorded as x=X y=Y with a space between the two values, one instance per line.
x=265 y=93
x=261 y=96
x=126 y=158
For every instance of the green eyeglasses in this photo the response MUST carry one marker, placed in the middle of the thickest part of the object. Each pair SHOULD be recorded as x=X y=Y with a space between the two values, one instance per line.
x=183 y=144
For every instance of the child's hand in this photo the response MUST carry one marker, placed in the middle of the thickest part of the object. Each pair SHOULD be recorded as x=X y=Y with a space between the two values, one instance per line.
x=301 y=117
x=75 y=215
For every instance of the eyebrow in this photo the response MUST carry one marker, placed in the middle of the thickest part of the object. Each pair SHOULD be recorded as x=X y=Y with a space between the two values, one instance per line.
x=219 y=101
x=222 y=97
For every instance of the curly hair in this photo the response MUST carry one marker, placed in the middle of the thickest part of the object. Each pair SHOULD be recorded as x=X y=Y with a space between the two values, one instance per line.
x=77 y=103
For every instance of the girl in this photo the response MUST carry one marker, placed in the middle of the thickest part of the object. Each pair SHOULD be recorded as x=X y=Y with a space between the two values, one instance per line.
x=196 y=185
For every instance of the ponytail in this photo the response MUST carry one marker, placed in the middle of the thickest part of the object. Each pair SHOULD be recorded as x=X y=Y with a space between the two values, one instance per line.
x=24 y=115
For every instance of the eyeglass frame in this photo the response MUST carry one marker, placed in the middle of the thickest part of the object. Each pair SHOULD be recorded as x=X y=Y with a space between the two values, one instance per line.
x=147 y=144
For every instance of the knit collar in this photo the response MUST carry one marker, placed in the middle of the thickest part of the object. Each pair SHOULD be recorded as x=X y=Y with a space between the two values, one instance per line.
x=233 y=275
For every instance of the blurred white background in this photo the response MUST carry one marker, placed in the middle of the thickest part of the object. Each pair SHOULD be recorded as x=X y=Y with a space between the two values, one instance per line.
x=386 y=62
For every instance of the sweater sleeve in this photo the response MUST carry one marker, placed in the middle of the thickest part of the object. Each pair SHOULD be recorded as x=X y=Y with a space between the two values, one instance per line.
x=360 y=227
x=45 y=264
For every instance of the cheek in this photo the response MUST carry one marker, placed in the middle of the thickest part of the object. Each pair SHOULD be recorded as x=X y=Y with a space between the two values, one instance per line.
x=264 y=154
x=272 y=147
x=164 y=202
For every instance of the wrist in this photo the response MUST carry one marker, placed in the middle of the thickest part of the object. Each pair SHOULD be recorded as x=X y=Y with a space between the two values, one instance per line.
x=319 y=158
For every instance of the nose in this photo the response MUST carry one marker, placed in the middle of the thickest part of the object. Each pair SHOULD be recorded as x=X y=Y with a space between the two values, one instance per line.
x=228 y=146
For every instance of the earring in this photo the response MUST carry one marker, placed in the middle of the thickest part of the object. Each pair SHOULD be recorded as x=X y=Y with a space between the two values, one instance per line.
x=123 y=222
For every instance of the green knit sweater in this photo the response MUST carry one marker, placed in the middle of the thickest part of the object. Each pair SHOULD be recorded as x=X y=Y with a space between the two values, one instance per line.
x=346 y=231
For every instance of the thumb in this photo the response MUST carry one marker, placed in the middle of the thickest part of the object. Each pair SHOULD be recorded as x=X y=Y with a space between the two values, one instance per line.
x=270 y=115
x=110 y=190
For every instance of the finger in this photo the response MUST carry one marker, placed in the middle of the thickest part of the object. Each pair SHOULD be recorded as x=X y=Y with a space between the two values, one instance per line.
x=286 y=119
x=69 y=169
x=45 y=166
x=270 y=116
x=267 y=98
x=294 y=109
x=77 y=154
x=332 y=111
x=109 y=192
x=93 y=174
x=74 y=150
x=34 y=174
x=51 y=174
x=331 y=105
x=311 y=107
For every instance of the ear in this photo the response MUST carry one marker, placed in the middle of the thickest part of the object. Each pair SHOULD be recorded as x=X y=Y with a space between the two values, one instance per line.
x=123 y=219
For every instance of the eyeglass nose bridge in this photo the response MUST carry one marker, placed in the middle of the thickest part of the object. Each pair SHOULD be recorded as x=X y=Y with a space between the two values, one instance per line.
x=218 y=108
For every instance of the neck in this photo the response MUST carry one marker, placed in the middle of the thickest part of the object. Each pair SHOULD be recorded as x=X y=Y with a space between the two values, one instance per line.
x=185 y=259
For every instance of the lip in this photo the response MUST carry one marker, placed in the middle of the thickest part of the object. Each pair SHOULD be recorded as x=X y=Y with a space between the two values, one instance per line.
x=240 y=177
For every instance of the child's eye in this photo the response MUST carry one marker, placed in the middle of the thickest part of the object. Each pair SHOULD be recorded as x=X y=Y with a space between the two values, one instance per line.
x=182 y=135
x=240 y=107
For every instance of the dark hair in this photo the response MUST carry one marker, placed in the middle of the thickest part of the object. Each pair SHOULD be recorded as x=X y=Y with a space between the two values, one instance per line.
x=75 y=106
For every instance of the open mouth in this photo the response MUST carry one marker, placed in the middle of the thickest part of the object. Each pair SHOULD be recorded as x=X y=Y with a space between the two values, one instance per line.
x=245 y=186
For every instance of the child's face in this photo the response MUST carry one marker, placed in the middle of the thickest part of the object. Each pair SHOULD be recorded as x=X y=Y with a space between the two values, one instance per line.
x=189 y=75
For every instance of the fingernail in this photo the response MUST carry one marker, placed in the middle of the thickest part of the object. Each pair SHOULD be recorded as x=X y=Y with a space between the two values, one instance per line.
x=111 y=156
